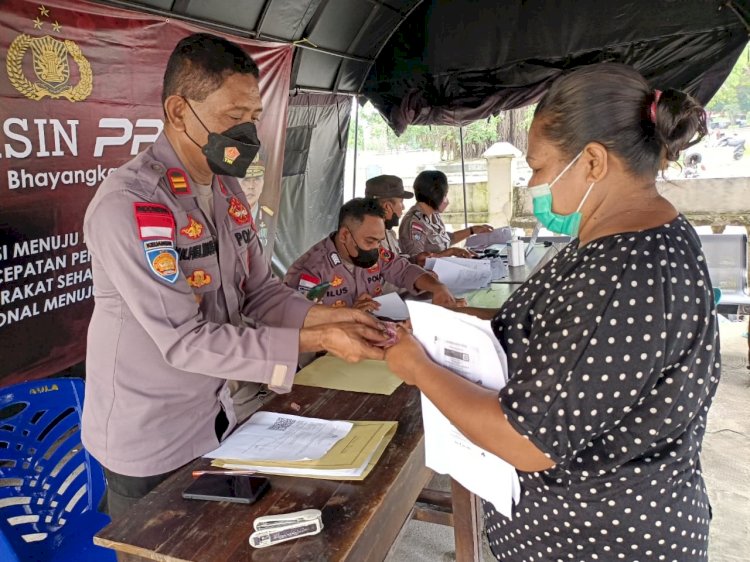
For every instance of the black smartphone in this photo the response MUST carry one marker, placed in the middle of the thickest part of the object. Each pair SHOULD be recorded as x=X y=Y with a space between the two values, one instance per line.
x=227 y=488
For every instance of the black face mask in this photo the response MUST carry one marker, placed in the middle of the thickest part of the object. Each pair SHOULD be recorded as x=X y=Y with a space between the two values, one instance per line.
x=392 y=222
x=231 y=152
x=364 y=258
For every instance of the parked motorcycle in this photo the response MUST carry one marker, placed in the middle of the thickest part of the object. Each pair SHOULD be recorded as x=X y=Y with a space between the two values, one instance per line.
x=737 y=144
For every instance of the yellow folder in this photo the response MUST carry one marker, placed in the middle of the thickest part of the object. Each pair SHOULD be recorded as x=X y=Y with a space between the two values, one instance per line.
x=369 y=376
x=351 y=458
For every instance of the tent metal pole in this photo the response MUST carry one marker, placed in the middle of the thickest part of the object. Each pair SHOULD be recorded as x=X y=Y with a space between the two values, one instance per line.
x=463 y=174
x=356 y=144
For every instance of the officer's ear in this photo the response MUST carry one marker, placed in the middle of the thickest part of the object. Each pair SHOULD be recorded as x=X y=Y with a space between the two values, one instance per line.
x=174 y=109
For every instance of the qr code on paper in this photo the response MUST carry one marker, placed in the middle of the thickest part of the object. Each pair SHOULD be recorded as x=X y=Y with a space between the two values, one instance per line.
x=281 y=424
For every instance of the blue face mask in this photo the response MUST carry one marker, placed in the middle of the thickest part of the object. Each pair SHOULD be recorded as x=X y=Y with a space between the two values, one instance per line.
x=542 y=201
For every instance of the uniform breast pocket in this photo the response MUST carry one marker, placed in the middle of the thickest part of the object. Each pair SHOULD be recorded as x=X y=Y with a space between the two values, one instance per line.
x=200 y=265
x=203 y=277
x=244 y=240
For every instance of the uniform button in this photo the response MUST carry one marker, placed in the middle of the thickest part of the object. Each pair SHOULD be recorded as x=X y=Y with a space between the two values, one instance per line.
x=158 y=168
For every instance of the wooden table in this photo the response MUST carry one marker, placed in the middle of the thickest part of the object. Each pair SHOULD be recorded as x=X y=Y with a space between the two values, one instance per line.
x=362 y=519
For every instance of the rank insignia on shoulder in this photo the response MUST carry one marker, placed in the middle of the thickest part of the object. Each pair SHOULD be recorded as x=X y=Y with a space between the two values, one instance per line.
x=238 y=211
x=193 y=230
x=199 y=278
x=154 y=221
x=178 y=181
x=334 y=258
x=337 y=281
x=162 y=259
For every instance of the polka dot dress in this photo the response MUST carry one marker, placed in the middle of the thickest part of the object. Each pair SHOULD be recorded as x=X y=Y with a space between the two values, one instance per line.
x=613 y=355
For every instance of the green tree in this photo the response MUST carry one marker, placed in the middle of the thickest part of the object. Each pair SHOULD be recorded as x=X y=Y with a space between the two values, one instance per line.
x=733 y=98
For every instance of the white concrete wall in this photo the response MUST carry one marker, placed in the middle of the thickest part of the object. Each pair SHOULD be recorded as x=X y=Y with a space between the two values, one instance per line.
x=714 y=201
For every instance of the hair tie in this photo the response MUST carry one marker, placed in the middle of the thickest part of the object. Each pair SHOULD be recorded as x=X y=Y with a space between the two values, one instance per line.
x=657 y=95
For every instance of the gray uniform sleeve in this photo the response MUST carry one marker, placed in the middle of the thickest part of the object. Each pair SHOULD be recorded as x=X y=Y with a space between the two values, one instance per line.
x=169 y=313
x=267 y=299
x=399 y=271
x=412 y=236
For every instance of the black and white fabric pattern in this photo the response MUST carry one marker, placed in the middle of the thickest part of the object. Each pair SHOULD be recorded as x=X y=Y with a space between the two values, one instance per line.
x=613 y=356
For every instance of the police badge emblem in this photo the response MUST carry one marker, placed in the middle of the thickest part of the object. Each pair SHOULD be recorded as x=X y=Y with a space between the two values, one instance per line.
x=162 y=259
x=238 y=211
x=199 y=278
x=193 y=230
x=51 y=64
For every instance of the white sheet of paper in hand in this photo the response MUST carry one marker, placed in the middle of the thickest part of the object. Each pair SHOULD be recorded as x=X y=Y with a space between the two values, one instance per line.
x=392 y=307
x=466 y=346
x=461 y=274
x=268 y=436
x=485 y=239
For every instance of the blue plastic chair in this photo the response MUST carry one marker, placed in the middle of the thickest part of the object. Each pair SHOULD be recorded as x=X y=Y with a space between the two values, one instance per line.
x=50 y=486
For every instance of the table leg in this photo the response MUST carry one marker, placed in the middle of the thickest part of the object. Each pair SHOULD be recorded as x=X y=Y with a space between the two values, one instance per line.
x=468 y=524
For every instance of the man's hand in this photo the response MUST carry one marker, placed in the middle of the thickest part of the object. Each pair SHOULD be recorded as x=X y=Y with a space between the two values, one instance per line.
x=406 y=357
x=441 y=296
x=319 y=315
x=421 y=258
x=366 y=303
x=353 y=342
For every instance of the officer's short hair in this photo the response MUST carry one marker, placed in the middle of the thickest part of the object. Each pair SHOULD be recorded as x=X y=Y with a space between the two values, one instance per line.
x=199 y=64
x=355 y=211
x=431 y=187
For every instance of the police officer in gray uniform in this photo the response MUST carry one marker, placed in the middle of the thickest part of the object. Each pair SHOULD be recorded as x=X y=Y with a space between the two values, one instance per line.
x=423 y=230
x=355 y=264
x=390 y=193
x=176 y=264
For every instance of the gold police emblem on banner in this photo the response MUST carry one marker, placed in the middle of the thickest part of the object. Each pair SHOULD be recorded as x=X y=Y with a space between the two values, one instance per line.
x=51 y=62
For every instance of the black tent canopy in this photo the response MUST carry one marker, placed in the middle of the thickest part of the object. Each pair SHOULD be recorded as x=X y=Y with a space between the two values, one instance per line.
x=454 y=61
x=449 y=62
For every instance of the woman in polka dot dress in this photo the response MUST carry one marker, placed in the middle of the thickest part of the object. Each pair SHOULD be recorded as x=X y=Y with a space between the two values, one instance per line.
x=613 y=349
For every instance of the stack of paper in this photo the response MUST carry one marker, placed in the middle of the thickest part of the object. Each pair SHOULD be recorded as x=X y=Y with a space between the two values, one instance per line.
x=485 y=239
x=369 y=376
x=461 y=274
x=465 y=345
x=349 y=457
x=281 y=437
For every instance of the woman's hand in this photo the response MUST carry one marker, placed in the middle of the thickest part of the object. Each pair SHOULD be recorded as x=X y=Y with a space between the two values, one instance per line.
x=407 y=357
x=456 y=252
x=482 y=228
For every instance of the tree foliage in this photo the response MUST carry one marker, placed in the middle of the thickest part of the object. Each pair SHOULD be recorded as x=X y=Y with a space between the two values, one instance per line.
x=510 y=126
x=733 y=98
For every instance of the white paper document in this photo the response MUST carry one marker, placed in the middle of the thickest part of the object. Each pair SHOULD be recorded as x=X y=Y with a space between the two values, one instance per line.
x=268 y=436
x=392 y=307
x=461 y=274
x=465 y=345
x=485 y=239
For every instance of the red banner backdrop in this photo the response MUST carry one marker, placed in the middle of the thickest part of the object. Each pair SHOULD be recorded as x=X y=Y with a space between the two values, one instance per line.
x=80 y=94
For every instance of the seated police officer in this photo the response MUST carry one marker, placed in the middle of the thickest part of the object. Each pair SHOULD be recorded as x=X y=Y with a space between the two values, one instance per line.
x=390 y=193
x=176 y=266
x=355 y=264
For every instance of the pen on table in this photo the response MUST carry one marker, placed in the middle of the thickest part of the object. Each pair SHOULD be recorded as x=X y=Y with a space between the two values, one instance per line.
x=231 y=472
